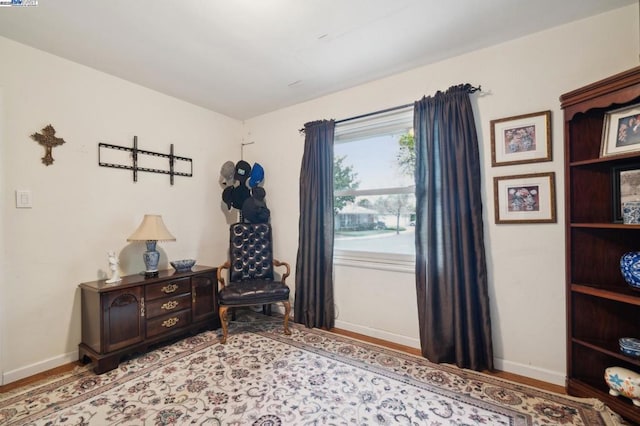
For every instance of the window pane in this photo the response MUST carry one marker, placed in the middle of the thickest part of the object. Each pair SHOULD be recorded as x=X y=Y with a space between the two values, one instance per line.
x=381 y=223
x=374 y=161
x=374 y=201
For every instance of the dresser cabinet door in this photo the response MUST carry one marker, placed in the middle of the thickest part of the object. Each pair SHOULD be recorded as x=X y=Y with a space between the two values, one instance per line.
x=123 y=318
x=204 y=296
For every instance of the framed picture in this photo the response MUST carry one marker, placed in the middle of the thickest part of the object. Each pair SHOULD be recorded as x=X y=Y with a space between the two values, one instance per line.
x=521 y=139
x=621 y=131
x=527 y=198
x=626 y=187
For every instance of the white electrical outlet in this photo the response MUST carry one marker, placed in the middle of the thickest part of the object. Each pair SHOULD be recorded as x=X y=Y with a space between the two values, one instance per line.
x=23 y=199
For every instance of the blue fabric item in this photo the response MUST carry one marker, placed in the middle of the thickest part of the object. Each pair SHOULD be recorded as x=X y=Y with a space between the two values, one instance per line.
x=257 y=175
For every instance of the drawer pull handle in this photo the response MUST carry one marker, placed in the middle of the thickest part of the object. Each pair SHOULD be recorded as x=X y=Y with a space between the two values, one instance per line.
x=169 y=288
x=169 y=305
x=170 y=322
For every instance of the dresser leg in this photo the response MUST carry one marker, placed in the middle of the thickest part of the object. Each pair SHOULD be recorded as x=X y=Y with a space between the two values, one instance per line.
x=106 y=364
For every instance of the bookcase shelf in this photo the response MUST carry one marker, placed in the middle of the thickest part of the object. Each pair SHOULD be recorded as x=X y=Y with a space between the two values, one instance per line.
x=601 y=306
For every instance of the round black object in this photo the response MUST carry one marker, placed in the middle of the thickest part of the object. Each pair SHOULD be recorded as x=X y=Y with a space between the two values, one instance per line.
x=258 y=193
x=254 y=211
x=243 y=171
x=227 y=195
x=240 y=194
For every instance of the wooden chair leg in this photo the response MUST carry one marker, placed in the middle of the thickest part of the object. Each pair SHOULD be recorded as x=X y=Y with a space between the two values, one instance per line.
x=287 y=311
x=225 y=323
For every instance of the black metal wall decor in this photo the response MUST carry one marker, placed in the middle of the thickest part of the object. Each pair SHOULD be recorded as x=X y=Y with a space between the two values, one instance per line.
x=134 y=165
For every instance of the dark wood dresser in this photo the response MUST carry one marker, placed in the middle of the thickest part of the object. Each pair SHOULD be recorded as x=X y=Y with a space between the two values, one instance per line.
x=126 y=317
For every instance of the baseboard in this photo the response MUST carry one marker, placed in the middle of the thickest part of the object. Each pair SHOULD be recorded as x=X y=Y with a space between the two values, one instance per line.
x=379 y=334
x=542 y=374
x=39 y=367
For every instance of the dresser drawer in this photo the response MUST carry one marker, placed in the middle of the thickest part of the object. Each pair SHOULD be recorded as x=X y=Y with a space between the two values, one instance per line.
x=168 y=288
x=167 y=323
x=167 y=305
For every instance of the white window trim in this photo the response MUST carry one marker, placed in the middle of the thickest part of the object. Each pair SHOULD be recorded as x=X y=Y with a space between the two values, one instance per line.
x=411 y=189
x=387 y=122
x=405 y=263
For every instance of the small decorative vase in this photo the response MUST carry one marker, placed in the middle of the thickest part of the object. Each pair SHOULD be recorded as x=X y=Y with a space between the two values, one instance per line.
x=151 y=258
x=630 y=268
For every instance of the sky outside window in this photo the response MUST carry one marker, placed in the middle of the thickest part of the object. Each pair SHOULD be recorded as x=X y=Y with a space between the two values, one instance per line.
x=375 y=161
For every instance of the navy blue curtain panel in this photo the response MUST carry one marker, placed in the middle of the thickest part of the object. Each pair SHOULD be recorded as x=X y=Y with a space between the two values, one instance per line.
x=451 y=273
x=314 y=304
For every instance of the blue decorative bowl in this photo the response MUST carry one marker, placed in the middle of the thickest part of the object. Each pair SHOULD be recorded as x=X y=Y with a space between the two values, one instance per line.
x=630 y=268
x=184 y=265
x=630 y=346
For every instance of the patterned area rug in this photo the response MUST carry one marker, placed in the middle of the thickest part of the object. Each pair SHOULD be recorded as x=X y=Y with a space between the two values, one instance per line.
x=262 y=377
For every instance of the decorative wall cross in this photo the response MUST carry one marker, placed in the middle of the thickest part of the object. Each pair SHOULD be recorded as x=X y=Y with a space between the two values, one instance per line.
x=47 y=139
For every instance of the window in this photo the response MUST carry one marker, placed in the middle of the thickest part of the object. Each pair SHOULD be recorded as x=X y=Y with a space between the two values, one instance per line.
x=374 y=201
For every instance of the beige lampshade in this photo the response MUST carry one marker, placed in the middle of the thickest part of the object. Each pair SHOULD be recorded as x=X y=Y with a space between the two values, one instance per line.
x=152 y=228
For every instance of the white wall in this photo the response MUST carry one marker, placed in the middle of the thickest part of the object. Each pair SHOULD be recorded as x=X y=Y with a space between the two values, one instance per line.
x=526 y=262
x=2 y=245
x=81 y=210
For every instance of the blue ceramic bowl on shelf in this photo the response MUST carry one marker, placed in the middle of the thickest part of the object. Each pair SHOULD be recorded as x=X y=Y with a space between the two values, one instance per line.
x=630 y=346
x=630 y=268
x=184 y=265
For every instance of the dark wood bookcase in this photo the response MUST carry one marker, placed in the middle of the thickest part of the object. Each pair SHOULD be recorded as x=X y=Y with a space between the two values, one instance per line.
x=601 y=306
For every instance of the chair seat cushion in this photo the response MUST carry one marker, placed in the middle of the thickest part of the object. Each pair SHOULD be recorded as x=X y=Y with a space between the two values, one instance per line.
x=252 y=292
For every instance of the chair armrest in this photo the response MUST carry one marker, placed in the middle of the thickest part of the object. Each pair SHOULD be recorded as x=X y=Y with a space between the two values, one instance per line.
x=225 y=265
x=276 y=262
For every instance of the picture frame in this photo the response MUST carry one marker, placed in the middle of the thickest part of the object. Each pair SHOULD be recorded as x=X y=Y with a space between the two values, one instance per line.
x=625 y=182
x=526 y=198
x=621 y=131
x=521 y=139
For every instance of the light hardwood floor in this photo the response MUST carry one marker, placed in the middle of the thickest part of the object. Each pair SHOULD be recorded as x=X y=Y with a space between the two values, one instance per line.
x=37 y=377
x=504 y=375
x=413 y=351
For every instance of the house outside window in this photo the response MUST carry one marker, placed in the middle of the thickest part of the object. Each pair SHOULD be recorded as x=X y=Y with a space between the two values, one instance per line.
x=374 y=201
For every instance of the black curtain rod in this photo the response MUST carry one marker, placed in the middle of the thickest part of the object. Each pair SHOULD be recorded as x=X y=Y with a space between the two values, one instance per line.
x=469 y=87
x=369 y=114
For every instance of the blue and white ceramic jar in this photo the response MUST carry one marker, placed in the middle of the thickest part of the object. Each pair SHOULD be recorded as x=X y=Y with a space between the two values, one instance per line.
x=631 y=212
x=630 y=268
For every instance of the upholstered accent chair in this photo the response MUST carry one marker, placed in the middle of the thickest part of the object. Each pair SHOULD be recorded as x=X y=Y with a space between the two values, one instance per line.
x=251 y=279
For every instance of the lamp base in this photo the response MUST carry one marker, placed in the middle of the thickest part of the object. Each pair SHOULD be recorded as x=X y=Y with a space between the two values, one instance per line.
x=151 y=258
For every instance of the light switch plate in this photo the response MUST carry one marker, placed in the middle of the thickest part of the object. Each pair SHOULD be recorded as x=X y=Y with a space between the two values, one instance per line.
x=23 y=199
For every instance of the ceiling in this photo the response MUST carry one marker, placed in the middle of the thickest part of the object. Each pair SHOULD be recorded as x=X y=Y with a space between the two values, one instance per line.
x=243 y=58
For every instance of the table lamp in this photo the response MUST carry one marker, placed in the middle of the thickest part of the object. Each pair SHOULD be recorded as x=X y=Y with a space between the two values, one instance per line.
x=151 y=230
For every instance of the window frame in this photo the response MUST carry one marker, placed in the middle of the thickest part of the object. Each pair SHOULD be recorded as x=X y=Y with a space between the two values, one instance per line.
x=368 y=127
